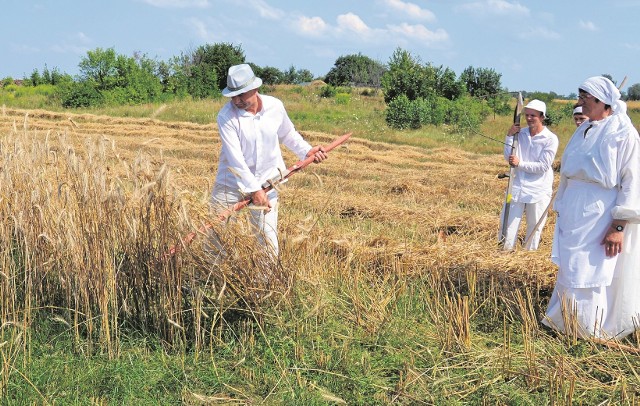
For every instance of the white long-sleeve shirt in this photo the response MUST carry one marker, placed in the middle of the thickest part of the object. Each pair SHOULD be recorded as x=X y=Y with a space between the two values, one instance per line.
x=534 y=174
x=251 y=152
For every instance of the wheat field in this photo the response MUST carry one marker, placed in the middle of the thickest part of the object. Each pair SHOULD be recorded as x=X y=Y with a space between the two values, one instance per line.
x=437 y=206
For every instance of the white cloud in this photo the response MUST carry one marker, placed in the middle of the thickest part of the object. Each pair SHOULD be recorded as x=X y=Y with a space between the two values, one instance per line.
x=421 y=33
x=25 y=49
x=82 y=37
x=200 y=29
x=266 y=11
x=178 y=3
x=588 y=25
x=513 y=64
x=310 y=26
x=66 y=48
x=412 y=10
x=633 y=47
x=494 y=7
x=351 y=22
x=77 y=43
x=539 y=33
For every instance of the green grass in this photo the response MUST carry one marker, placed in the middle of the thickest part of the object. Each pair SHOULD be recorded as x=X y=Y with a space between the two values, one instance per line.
x=314 y=351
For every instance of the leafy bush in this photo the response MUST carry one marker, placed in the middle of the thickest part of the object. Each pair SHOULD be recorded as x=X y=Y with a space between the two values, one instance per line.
x=328 y=91
x=203 y=82
x=440 y=107
x=6 y=81
x=369 y=92
x=397 y=115
x=80 y=94
x=466 y=114
x=463 y=114
x=403 y=113
x=555 y=114
x=419 y=113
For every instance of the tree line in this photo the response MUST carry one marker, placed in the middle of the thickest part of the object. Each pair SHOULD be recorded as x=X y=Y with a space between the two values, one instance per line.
x=416 y=93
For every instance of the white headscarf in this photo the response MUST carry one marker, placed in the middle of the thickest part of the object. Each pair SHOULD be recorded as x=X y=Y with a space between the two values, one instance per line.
x=604 y=90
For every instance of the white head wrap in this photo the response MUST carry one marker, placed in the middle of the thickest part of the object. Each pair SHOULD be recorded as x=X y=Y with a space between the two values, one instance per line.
x=577 y=110
x=604 y=90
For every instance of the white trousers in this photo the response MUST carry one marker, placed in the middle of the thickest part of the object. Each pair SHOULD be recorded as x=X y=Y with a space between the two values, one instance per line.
x=264 y=225
x=533 y=213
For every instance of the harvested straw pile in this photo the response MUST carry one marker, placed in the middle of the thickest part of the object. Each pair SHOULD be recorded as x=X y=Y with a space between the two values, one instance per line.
x=420 y=210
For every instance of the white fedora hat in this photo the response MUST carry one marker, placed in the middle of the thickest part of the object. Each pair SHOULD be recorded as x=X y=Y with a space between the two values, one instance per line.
x=240 y=80
x=537 y=105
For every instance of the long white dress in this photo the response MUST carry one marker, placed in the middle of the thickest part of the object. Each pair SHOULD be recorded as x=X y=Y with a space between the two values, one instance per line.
x=596 y=295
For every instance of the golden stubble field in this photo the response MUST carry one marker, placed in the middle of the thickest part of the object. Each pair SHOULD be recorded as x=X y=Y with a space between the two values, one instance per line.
x=416 y=208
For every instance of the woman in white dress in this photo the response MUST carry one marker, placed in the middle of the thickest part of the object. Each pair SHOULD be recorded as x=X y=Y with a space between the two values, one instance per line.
x=596 y=244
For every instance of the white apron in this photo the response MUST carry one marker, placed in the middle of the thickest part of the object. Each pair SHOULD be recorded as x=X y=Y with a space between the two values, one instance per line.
x=585 y=216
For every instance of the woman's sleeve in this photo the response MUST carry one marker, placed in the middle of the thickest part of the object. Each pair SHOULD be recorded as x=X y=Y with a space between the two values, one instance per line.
x=628 y=200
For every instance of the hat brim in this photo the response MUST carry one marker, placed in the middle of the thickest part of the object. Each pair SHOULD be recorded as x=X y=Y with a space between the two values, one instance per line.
x=257 y=82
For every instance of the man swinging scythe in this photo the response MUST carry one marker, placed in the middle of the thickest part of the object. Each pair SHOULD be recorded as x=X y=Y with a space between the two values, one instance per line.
x=252 y=126
x=530 y=153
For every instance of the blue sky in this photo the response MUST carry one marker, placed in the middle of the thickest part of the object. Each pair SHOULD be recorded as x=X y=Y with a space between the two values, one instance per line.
x=535 y=45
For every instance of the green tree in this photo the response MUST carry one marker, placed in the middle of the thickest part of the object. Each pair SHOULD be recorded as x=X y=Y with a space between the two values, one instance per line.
x=355 y=70
x=47 y=77
x=418 y=95
x=172 y=78
x=303 y=76
x=293 y=76
x=203 y=82
x=268 y=74
x=289 y=76
x=606 y=75
x=447 y=84
x=481 y=82
x=99 y=67
x=544 y=96
x=136 y=80
x=203 y=71
x=117 y=79
x=219 y=57
x=406 y=76
x=35 y=79
x=633 y=93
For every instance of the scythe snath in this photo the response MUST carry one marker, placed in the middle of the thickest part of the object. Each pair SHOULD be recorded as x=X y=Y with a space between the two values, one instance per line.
x=517 y=113
x=270 y=184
